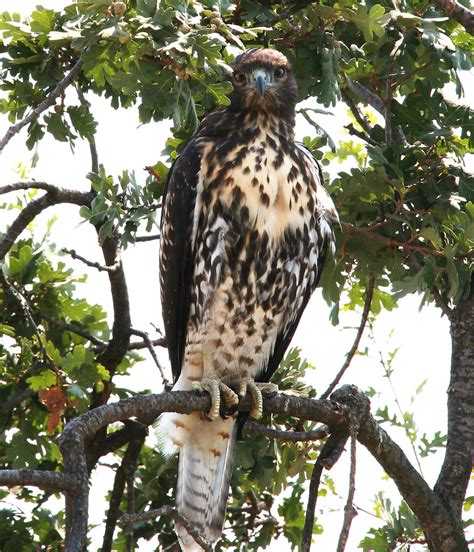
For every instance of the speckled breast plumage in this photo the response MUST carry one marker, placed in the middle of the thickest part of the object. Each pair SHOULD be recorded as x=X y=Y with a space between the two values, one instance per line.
x=257 y=235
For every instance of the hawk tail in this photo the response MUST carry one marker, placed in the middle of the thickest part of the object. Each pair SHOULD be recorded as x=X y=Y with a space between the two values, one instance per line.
x=205 y=469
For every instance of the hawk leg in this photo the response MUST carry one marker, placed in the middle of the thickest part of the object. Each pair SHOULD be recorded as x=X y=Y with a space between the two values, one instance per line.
x=216 y=389
x=255 y=389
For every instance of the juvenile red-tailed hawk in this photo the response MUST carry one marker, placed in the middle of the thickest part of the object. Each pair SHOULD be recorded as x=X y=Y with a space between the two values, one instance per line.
x=245 y=230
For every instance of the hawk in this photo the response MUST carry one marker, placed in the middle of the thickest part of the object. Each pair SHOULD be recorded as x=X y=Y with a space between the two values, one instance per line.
x=246 y=225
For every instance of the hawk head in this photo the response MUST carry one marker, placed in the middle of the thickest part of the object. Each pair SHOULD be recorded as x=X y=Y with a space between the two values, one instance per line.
x=263 y=80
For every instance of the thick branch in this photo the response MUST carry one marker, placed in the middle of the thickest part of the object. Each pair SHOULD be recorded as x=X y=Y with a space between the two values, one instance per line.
x=455 y=472
x=426 y=505
x=458 y=12
x=36 y=478
x=45 y=104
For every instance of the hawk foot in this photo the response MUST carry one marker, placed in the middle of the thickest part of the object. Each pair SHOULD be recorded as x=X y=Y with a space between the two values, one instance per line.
x=216 y=390
x=255 y=389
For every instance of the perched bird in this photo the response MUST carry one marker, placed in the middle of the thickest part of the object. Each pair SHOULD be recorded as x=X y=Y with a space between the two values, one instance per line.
x=246 y=225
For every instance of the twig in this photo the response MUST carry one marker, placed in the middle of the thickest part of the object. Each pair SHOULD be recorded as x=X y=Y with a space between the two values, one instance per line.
x=91 y=139
x=136 y=345
x=151 y=237
x=45 y=104
x=361 y=135
x=349 y=510
x=391 y=242
x=72 y=327
x=168 y=511
x=130 y=509
x=376 y=102
x=359 y=117
x=363 y=321
x=101 y=268
x=291 y=436
x=166 y=384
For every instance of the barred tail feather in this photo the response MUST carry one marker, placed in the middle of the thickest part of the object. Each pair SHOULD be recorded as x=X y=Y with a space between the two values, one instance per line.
x=204 y=473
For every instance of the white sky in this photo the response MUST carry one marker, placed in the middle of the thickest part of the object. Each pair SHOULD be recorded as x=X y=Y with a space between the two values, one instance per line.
x=422 y=337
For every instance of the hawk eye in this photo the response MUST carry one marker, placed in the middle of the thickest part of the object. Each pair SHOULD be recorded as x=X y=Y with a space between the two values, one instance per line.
x=280 y=72
x=239 y=76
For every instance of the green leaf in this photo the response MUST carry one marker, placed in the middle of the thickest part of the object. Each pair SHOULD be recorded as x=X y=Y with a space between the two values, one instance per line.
x=44 y=380
x=58 y=127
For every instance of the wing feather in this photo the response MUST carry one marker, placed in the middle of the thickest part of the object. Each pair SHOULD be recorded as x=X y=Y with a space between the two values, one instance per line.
x=176 y=254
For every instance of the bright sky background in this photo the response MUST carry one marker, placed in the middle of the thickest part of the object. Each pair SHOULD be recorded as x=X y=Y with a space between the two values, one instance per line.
x=422 y=338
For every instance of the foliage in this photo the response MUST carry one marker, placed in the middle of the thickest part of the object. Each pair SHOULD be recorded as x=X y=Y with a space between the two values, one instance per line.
x=406 y=206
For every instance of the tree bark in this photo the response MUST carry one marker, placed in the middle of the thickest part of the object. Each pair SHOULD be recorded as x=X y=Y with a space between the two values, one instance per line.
x=455 y=472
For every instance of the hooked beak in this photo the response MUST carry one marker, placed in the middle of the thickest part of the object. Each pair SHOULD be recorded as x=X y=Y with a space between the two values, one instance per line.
x=261 y=85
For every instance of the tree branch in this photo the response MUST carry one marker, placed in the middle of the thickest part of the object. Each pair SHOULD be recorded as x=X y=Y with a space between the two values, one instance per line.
x=391 y=242
x=45 y=104
x=289 y=436
x=146 y=340
x=127 y=468
x=150 y=237
x=53 y=481
x=93 y=264
x=363 y=321
x=14 y=401
x=349 y=510
x=455 y=472
x=127 y=519
x=457 y=11
x=54 y=196
x=91 y=140
x=376 y=102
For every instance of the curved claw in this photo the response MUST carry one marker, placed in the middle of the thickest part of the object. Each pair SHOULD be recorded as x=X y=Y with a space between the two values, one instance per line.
x=216 y=390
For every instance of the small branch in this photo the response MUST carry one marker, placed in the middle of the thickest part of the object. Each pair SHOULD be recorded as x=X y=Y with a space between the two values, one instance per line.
x=136 y=345
x=168 y=511
x=151 y=237
x=290 y=436
x=14 y=401
x=359 y=117
x=72 y=327
x=54 y=196
x=127 y=468
x=363 y=321
x=391 y=242
x=457 y=11
x=53 y=481
x=32 y=185
x=376 y=102
x=91 y=140
x=93 y=264
x=361 y=135
x=45 y=104
x=349 y=510
x=166 y=384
